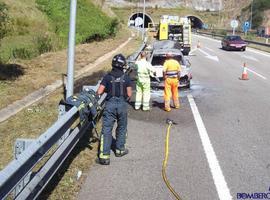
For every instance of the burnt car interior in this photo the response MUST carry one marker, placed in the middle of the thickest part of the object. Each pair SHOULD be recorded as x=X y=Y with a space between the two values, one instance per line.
x=160 y=59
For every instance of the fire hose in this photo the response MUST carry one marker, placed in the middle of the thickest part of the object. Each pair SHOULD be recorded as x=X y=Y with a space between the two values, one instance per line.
x=164 y=165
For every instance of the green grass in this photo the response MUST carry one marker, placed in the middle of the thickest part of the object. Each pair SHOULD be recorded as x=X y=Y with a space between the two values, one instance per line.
x=32 y=27
x=91 y=23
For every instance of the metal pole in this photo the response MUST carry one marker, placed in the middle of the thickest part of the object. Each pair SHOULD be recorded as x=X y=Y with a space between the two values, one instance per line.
x=143 y=32
x=251 y=15
x=71 y=47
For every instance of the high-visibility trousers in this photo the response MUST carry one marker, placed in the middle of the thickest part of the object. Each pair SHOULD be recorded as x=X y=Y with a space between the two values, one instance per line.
x=142 y=95
x=171 y=90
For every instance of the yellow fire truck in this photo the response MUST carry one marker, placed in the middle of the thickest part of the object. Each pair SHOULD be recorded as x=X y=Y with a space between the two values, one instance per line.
x=177 y=29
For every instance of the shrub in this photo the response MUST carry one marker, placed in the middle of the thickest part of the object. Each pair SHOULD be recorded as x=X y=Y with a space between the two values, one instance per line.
x=21 y=52
x=44 y=43
x=4 y=19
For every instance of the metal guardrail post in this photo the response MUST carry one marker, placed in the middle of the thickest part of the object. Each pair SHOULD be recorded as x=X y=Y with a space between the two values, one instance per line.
x=17 y=169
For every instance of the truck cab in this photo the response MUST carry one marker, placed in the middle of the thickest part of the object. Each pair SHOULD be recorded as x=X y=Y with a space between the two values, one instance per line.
x=176 y=29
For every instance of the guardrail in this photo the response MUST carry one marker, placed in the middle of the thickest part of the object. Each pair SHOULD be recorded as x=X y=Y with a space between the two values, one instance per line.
x=17 y=176
x=221 y=36
x=28 y=174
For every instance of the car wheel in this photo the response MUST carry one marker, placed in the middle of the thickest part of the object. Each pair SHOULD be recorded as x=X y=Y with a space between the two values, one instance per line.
x=243 y=49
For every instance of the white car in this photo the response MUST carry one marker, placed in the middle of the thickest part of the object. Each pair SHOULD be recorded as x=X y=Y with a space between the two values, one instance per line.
x=158 y=58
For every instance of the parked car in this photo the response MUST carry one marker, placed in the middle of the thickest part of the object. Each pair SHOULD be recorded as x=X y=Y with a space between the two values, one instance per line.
x=233 y=42
x=158 y=58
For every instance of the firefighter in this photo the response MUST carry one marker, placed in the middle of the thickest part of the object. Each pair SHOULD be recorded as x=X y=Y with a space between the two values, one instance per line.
x=117 y=85
x=171 y=75
x=144 y=71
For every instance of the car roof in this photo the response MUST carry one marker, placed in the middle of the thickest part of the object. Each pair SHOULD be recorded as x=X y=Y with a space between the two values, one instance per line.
x=232 y=36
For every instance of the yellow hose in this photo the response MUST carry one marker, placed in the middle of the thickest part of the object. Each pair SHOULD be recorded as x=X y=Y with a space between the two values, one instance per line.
x=164 y=165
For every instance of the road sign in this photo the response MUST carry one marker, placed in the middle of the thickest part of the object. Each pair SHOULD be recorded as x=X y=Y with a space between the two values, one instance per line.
x=234 y=23
x=246 y=26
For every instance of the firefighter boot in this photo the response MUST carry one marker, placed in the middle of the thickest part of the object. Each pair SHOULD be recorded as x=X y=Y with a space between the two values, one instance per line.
x=119 y=153
x=104 y=161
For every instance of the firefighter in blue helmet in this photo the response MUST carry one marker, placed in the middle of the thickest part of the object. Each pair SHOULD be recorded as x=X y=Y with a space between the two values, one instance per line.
x=117 y=85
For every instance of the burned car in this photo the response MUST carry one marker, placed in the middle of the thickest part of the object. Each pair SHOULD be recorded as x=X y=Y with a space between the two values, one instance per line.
x=158 y=58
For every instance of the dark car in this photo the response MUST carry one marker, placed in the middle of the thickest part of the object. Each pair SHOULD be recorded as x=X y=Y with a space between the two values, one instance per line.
x=233 y=42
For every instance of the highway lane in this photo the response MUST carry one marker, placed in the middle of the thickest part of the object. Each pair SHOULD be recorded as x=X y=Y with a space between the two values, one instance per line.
x=235 y=117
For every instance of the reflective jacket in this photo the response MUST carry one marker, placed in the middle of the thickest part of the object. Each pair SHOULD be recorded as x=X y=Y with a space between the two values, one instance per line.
x=144 y=70
x=172 y=68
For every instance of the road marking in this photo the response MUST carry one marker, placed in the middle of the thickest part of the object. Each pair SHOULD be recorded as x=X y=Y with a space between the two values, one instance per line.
x=248 y=49
x=200 y=36
x=258 y=52
x=249 y=57
x=192 y=51
x=209 y=49
x=261 y=76
x=215 y=58
x=219 y=180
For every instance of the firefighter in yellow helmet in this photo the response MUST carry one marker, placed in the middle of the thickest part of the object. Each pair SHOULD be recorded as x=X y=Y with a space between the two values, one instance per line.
x=171 y=75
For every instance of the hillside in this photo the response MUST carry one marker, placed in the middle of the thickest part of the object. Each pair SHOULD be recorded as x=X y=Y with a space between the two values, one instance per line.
x=260 y=13
x=32 y=27
x=199 y=5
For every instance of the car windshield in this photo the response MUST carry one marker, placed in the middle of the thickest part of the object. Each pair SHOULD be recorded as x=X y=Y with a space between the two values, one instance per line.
x=234 y=38
x=160 y=59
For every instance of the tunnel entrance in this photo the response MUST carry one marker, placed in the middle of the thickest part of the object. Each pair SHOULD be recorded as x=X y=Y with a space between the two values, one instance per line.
x=136 y=20
x=196 y=23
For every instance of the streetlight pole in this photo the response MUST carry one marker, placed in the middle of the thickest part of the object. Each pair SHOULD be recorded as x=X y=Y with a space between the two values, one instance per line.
x=71 y=48
x=143 y=32
x=251 y=14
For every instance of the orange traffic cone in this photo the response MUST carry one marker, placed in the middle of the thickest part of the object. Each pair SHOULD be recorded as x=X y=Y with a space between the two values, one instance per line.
x=199 y=44
x=244 y=73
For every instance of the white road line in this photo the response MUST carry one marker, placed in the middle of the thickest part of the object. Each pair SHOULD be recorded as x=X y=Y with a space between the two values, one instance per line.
x=249 y=57
x=214 y=40
x=192 y=51
x=207 y=55
x=219 y=180
x=258 y=52
x=248 y=49
x=261 y=76
x=209 y=49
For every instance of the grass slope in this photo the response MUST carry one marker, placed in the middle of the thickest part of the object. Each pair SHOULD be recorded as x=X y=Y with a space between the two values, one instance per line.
x=32 y=27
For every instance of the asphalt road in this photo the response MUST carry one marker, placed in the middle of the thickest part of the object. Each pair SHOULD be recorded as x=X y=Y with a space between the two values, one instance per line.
x=218 y=149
